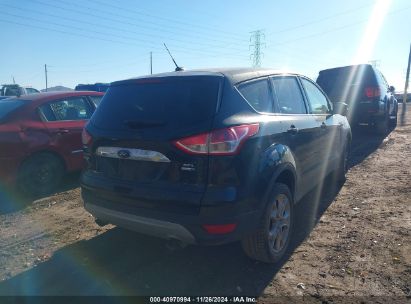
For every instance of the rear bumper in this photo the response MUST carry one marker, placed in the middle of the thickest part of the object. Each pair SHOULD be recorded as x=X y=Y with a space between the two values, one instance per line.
x=186 y=226
x=149 y=226
x=372 y=111
x=367 y=112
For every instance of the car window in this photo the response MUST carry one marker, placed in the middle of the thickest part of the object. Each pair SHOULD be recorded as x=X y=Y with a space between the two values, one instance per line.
x=288 y=95
x=381 y=79
x=96 y=99
x=76 y=108
x=31 y=91
x=178 y=102
x=8 y=106
x=12 y=91
x=316 y=99
x=257 y=93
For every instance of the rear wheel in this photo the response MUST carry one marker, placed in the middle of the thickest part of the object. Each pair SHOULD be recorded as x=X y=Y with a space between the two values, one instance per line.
x=271 y=241
x=343 y=165
x=40 y=174
x=383 y=125
x=394 y=120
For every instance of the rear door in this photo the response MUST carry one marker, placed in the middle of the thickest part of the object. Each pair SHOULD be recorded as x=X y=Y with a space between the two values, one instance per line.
x=65 y=120
x=134 y=128
x=299 y=128
x=328 y=135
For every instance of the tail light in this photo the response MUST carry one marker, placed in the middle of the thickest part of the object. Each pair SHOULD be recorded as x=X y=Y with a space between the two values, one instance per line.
x=372 y=92
x=220 y=229
x=227 y=141
x=86 y=139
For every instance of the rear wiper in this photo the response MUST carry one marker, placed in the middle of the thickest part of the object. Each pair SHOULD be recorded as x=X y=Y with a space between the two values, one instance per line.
x=135 y=124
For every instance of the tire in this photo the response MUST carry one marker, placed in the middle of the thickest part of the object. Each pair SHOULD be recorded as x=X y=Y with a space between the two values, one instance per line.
x=342 y=169
x=40 y=174
x=259 y=245
x=383 y=125
x=394 y=121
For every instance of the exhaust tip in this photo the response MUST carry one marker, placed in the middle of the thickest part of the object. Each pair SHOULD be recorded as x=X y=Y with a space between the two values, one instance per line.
x=174 y=244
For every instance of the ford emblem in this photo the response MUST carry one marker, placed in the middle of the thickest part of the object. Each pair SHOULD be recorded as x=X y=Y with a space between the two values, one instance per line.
x=123 y=153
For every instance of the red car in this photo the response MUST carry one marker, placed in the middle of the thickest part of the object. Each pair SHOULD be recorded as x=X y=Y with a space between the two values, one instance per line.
x=40 y=138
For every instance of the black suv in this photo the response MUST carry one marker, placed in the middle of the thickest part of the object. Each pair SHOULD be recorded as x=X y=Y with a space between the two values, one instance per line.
x=209 y=157
x=365 y=90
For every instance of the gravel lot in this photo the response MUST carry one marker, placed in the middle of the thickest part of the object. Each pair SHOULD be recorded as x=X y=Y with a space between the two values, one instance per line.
x=354 y=241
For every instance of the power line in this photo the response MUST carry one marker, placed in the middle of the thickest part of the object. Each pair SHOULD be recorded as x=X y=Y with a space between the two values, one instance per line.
x=63 y=32
x=401 y=10
x=225 y=46
x=107 y=15
x=208 y=28
x=320 y=19
x=139 y=42
x=108 y=27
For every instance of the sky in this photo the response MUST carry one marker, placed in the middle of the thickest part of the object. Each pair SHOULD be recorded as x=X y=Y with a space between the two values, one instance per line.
x=108 y=40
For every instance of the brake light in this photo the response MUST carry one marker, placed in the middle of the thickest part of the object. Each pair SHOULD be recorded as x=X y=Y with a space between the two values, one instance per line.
x=372 y=92
x=227 y=141
x=86 y=138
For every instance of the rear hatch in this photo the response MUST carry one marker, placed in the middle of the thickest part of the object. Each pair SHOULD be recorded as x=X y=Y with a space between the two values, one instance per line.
x=347 y=84
x=356 y=85
x=133 y=131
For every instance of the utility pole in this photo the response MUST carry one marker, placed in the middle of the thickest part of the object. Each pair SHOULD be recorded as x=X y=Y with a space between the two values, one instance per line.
x=14 y=82
x=407 y=78
x=45 y=72
x=257 y=42
x=151 y=63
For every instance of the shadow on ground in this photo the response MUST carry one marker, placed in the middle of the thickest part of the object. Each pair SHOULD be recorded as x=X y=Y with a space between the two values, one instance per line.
x=364 y=142
x=11 y=200
x=125 y=263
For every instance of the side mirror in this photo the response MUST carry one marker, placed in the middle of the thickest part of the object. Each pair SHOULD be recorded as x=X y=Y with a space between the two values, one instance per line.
x=391 y=89
x=340 y=108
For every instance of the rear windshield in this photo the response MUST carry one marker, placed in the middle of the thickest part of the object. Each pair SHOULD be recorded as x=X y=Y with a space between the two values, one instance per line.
x=8 y=106
x=342 y=84
x=173 y=103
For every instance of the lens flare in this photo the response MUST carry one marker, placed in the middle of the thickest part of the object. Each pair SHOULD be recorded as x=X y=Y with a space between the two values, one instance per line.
x=372 y=31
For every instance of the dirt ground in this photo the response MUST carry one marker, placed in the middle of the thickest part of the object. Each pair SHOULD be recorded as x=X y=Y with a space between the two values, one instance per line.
x=352 y=242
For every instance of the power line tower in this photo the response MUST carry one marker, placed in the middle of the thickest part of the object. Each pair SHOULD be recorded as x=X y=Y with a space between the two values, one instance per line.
x=256 y=43
x=375 y=63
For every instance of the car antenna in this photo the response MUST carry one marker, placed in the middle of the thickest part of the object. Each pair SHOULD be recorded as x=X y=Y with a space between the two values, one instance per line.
x=178 y=69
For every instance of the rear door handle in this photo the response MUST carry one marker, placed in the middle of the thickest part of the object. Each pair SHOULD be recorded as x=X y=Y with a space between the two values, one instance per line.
x=292 y=130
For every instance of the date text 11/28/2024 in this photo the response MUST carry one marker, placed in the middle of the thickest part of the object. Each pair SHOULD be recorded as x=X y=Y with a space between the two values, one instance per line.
x=238 y=299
